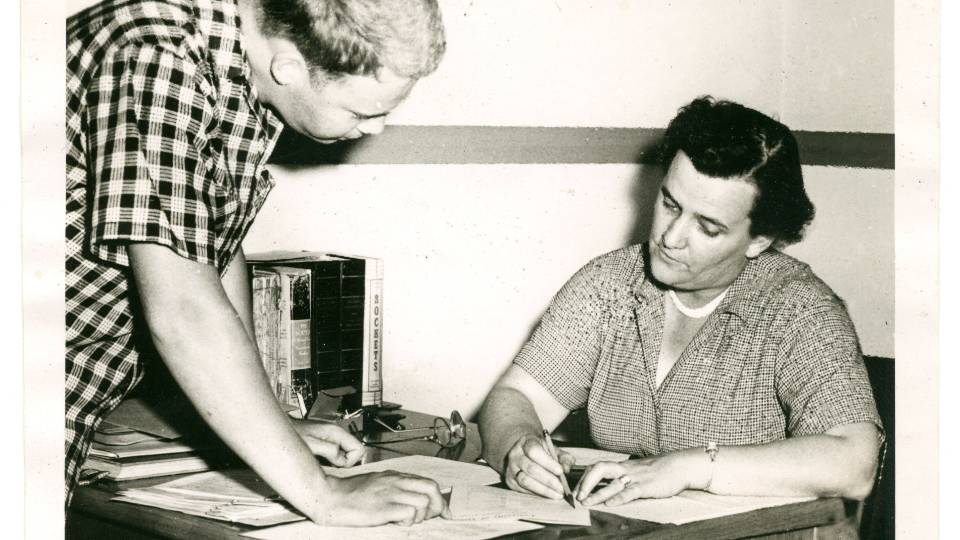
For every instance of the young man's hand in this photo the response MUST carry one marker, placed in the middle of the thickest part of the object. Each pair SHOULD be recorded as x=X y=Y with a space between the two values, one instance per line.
x=383 y=497
x=330 y=442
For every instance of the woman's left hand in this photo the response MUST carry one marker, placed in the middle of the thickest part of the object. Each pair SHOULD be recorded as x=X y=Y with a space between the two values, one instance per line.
x=331 y=442
x=648 y=478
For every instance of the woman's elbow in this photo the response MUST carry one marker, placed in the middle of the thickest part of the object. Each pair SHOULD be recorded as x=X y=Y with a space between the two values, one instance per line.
x=854 y=460
x=858 y=488
x=861 y=471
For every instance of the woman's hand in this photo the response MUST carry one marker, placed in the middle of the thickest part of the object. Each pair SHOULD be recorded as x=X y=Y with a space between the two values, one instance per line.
x=531 y=469
x=648 y=478
x=330 y=442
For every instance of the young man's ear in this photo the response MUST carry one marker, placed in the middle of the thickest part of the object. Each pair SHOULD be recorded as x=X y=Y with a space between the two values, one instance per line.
x=758 y=245
x=287 y=67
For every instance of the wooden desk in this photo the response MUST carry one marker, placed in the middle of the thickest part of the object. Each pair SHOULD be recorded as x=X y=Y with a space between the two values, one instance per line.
x=94 y=516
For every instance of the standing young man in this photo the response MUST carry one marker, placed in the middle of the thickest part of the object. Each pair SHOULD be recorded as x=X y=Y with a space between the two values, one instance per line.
x=173 y=107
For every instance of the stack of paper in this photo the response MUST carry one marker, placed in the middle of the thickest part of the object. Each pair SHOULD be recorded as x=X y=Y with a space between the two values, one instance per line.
x=431 y=529
x=237 y=496
x=688 y=506
x=241 y=496
x=483 y=502
x=447 y=473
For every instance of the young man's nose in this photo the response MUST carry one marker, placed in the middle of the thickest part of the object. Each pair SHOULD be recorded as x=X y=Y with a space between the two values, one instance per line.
x=371 y=126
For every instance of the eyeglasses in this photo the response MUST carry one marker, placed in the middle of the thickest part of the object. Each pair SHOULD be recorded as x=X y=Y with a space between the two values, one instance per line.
x=445 y=432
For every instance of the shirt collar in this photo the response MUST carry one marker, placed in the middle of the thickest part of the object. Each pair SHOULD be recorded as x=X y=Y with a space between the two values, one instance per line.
x=219 y=20
x=739 y=296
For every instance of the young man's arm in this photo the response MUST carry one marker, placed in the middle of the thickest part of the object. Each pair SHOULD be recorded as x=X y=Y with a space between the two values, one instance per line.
x=207 y=349
x=236 y=285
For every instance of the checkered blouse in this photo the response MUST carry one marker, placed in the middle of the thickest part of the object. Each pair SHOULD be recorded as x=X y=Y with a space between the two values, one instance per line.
x=778 y=357
x=166 y=144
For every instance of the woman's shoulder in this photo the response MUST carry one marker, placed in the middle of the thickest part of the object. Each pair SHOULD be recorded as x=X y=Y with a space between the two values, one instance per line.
x=787 y=280
x=622 y=264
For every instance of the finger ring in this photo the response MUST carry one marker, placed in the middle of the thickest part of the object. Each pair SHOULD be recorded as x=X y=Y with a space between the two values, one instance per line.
x=625 y=480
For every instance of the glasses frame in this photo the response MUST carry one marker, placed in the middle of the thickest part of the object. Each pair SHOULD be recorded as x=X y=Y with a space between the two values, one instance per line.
x=454 y=426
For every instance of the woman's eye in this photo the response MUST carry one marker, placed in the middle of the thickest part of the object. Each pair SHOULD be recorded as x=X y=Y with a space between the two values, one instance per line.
x=709 y=232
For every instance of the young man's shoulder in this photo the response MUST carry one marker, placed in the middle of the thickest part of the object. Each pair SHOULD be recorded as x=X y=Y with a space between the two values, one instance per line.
x=119 y=23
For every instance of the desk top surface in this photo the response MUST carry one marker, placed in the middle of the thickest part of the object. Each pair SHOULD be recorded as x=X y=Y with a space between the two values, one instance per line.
x=94 y=503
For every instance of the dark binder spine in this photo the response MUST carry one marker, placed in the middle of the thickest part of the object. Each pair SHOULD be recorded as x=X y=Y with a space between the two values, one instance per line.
x=327 y=322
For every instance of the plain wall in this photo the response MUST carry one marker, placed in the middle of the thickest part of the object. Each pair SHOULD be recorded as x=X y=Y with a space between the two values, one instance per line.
x=473 y=253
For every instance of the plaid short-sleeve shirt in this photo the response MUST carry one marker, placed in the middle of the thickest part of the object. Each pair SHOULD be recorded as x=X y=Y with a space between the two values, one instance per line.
x=166 y=143
x=779 y=357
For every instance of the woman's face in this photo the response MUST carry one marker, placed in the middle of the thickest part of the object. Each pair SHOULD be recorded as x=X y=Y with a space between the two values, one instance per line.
x=700 y=240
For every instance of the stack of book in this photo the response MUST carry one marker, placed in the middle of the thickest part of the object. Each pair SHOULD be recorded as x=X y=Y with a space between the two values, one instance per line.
x=153 y=457
x=134 y=442
x=319 y=324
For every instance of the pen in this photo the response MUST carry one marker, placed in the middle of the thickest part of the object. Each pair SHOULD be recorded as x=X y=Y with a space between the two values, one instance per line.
x=303 y=406
x=567 y=494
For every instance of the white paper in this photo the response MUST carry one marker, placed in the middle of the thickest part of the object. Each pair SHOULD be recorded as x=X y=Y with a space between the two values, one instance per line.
x=588 y=456
x=433 y=529
x=234 y=484
x=447 y=473
x=237 y=496
x=689 y=506
x=483 y=502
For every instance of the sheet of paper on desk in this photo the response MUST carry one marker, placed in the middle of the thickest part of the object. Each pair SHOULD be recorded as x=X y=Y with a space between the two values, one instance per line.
x=432 y=529
x=588 y=456
x=689 y=506
x=484 y=502
x=237 y=496
x=447 y=473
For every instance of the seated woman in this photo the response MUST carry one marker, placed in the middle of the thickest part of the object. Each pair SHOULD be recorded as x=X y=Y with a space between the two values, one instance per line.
x=718 y=362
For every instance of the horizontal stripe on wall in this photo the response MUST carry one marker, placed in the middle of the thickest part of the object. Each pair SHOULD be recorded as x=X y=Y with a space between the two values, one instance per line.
x=505 y=144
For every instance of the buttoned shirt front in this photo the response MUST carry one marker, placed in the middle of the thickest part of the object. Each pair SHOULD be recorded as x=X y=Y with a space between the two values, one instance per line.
x=167 y=144
x=779 y=357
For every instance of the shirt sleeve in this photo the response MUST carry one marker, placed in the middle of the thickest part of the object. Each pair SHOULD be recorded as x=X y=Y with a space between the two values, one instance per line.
x=152 y=182
x=821 y=379
x=563 y=351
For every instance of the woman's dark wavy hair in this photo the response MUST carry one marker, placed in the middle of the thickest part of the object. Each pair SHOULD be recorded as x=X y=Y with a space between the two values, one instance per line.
x=727 y=140
x=358 y=37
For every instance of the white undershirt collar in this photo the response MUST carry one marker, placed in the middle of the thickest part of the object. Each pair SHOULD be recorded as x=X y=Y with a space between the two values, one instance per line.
x=700 y=312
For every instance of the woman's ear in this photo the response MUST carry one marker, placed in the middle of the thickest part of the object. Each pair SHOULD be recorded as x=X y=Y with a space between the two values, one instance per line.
x=758 y=245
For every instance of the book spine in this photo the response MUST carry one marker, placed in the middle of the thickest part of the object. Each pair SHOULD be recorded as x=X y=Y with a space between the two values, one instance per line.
x=301 y=373
x=266 y=320
x=329 y=325
x=372 y=392
x=294 y=360
x=281 y=386
x=352 y=309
